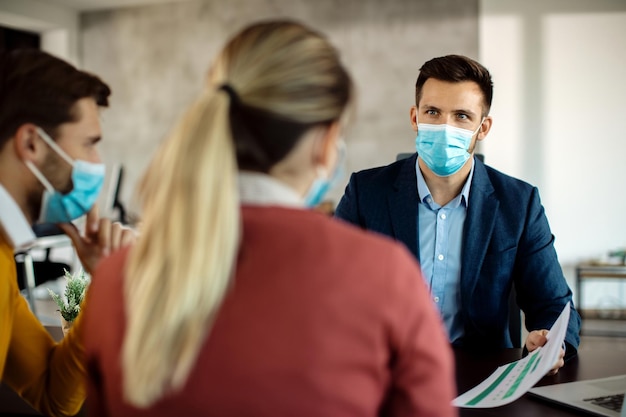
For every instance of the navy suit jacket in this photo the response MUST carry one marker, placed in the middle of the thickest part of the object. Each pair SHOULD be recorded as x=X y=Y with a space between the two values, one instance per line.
x=507 y=243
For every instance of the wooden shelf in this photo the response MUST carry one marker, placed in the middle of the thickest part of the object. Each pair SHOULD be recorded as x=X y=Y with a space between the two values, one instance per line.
x=597 y=271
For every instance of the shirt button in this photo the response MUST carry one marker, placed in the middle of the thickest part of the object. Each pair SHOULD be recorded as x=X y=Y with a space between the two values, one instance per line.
x=440 y=257
x=443 y=216
x=428 y=200
x=436 y=299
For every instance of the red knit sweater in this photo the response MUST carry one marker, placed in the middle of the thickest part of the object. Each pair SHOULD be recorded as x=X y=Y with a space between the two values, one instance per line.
x=322 y=320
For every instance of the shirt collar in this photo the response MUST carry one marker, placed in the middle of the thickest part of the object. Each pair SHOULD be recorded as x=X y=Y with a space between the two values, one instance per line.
x=424 y=193
x=263 y=190
x=13 y=222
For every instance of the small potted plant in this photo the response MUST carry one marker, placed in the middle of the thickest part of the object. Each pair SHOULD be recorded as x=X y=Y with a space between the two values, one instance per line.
x=69 y=305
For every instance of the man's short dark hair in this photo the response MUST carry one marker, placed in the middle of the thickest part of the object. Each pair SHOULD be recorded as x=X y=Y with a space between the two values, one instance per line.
x=38 y=88
x=456 y=68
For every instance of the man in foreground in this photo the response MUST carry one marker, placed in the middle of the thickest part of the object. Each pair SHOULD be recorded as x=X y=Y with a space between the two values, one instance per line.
x=51 y=172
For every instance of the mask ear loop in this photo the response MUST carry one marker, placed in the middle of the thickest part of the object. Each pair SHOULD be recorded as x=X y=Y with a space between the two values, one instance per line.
x=40 y=176
x=46 y=138
x=341 y=160
x=477 y=129
x=321 y=172
x=480 y=125
x=43 y=180
x=334 y=174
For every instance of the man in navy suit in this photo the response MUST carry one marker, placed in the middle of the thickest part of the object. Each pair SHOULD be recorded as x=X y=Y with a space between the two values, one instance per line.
x=477 y=232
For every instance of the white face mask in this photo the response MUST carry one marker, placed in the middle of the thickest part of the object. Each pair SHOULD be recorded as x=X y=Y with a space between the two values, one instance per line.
x=324 y=182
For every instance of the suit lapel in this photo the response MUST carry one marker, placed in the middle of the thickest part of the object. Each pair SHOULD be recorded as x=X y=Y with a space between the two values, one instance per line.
x=402 y=201
x=479 y=224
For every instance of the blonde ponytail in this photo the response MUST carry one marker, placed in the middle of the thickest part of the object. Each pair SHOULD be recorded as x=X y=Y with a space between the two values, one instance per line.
x=179 y=271
x=177 y=275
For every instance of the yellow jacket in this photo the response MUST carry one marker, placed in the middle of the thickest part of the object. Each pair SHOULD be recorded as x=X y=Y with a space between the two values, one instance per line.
x=48 y=375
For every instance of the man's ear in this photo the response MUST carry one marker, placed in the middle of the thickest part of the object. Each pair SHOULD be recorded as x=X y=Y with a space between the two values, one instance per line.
x=485 y=127
x=413 y=115
x=27 y=145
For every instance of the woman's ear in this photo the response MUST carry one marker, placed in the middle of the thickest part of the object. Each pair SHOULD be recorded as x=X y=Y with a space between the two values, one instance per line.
x=328 y=144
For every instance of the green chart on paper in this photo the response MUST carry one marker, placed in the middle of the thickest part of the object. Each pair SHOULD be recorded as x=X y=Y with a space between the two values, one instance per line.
x=533 y=360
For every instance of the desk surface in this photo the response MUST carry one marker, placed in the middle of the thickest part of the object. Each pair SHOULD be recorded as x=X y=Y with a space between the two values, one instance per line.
x=593 y=361
x=471 y=369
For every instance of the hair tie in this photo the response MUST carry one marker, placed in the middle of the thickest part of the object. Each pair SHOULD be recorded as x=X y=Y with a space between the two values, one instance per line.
x=234 y=97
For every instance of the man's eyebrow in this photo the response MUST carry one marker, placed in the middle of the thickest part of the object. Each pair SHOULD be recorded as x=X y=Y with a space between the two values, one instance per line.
x=465 y=111
x=431 y=107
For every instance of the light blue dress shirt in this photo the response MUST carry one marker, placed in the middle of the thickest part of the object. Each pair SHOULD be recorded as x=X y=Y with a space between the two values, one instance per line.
x=440 y=234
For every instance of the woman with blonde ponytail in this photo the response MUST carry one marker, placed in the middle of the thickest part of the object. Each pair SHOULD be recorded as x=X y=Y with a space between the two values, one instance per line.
x=237 y=300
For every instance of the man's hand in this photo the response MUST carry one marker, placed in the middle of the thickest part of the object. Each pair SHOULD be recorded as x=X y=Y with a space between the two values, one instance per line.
x=538 y=338
x=100 y=239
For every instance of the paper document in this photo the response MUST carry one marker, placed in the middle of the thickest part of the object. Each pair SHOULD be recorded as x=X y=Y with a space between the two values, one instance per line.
x=511 y=381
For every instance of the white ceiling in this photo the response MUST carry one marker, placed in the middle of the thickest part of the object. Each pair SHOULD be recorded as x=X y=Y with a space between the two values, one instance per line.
x=90 y=5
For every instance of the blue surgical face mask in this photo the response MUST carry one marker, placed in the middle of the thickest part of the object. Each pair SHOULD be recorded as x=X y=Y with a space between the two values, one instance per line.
x=444 y=148
x=87 y=180
x=324 y=182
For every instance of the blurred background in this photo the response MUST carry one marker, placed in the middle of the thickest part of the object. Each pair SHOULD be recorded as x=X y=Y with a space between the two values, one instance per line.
x=558 y=68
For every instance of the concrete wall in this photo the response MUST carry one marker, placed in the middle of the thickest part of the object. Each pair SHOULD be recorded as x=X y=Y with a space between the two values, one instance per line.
x=558 y=68
x=155 y=58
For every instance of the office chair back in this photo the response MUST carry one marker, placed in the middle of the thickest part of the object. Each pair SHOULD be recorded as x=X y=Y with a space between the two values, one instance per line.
x=46 y=269
x=113 y=206
x=515 y=320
